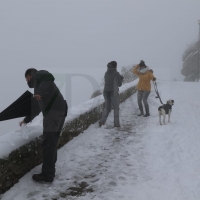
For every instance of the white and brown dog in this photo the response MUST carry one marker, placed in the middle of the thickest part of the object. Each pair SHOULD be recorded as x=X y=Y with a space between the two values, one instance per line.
x=164 y=110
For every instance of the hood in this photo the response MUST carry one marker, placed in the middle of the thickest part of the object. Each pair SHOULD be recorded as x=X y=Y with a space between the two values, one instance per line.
x=111 y=70
x=43 y=75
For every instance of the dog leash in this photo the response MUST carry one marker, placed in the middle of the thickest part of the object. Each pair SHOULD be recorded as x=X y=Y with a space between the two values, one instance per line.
x=156 y=90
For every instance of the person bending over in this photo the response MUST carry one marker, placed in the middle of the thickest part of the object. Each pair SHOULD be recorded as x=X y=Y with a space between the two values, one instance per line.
x=54 y=109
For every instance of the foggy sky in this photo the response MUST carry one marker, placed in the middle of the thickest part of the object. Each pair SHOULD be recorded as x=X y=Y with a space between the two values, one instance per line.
x=87 y=34
x=68 y=33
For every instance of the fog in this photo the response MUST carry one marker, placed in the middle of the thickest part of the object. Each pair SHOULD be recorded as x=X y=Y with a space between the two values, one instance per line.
x=81 y=37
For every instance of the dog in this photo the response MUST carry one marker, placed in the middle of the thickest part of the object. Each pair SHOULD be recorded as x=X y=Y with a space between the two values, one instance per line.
x=164 y=110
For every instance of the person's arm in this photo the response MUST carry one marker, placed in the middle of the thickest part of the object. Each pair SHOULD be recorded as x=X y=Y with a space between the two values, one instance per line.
x=29 y=118
x=35 y=110
x=41 y=90
x=120 y=78
x=135 y=70
x=152 y=77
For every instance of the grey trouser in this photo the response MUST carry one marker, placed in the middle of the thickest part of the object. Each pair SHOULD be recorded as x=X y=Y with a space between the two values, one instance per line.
x=111 y=99
x=143 y=96
x=52 y=123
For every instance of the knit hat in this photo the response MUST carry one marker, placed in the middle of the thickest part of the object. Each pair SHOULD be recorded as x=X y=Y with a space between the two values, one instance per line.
x=112 y=64
x=142 y=63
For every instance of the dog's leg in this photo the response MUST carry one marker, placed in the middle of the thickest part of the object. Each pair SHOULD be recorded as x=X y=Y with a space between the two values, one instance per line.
x=164 y=115
x=159 y=114
x=169 y=116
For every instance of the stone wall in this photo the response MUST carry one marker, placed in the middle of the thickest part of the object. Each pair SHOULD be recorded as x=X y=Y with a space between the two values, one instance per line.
x=25 y=158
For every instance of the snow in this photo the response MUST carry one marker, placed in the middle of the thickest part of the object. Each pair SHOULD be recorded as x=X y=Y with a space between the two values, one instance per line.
x=29 y=132
x=142 y=160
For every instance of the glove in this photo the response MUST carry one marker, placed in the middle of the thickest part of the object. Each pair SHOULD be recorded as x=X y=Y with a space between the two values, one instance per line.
x=154 y=79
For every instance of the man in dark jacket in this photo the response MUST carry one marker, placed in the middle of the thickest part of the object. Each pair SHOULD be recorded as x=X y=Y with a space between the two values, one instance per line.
x=113 y=80
x=54 y=109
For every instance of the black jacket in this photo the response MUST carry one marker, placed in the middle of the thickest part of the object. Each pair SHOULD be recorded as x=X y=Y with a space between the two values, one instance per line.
x=51 y=98
x=111 y=75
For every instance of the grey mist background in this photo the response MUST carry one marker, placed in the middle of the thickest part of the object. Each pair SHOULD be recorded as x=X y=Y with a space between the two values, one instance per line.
x=82 y=36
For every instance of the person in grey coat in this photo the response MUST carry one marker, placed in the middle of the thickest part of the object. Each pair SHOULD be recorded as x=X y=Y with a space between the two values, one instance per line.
x=54 y=109
x=113 y=80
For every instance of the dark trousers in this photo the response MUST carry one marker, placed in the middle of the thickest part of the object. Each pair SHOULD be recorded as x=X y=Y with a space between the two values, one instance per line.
x=52 y=123
x=143 y=96
x=111 y=99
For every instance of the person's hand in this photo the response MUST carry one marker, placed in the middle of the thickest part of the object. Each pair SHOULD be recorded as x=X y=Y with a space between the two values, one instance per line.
x=37 y=97
x=154 y=78
x=22 y=122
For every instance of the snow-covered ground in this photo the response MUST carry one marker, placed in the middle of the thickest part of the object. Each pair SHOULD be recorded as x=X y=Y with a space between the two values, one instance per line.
x=139 y=161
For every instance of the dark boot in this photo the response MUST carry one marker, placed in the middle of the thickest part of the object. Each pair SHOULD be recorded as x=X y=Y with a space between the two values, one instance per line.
x=141 y=114
x=118 y=126
x=41 y=178
x=146 y=115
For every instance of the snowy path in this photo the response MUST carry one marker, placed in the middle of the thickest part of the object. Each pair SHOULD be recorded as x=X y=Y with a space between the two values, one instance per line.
x=139 y=161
